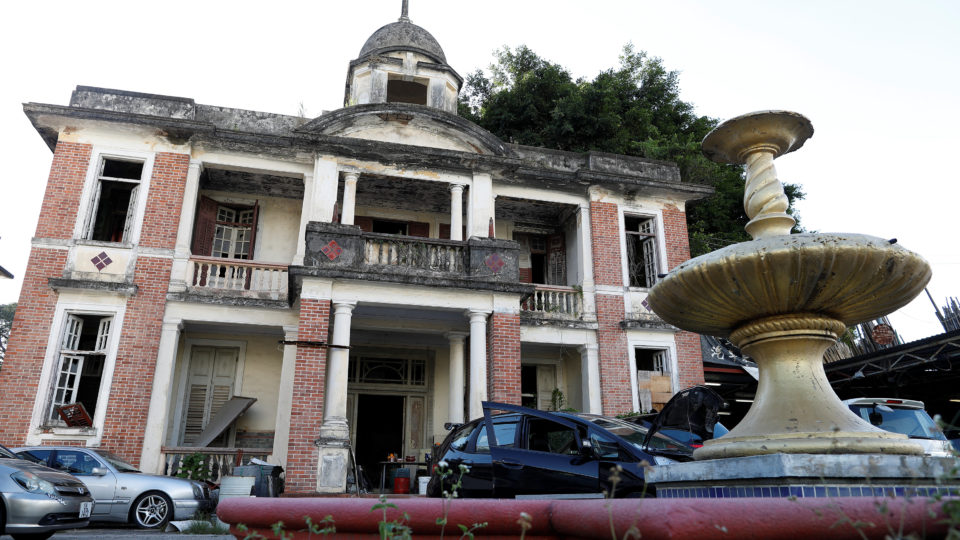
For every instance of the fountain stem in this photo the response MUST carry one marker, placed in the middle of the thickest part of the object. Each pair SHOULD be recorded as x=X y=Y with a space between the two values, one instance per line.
x=763 y=198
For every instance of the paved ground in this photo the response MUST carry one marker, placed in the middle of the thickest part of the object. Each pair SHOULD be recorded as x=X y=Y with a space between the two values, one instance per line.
x=118 y=532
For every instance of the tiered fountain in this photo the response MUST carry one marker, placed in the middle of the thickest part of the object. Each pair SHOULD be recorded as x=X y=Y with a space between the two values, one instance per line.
x=784 y=299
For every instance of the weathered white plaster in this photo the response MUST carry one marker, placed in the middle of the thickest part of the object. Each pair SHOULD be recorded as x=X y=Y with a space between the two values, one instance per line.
x=456 y=387
x=281 y=435
x=160 y=395
x=478 y=361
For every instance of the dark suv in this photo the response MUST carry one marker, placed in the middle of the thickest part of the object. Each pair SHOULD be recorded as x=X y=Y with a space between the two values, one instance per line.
x=529 y=452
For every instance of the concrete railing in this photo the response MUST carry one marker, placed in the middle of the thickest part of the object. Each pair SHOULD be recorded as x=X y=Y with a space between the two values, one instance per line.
x=555 y=302
x=256 y=279
x=419 y=253
x=216 y=463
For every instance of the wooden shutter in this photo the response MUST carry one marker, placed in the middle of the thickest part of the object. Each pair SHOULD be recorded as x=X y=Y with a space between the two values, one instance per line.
x=556 y=260
x=546 y=382
x=365 y=223
x=420 y=229
x=131 y=211
x=445 y=231
x=210 y=385
x=204 y=227
x=253 y=233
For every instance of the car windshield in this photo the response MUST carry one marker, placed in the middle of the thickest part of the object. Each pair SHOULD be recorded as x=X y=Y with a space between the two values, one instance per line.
x=914 y=423
x=118 y=463
x=5 y=453
x=635 y=434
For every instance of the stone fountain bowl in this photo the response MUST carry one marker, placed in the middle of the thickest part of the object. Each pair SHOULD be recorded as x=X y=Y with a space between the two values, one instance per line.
x=849 y=277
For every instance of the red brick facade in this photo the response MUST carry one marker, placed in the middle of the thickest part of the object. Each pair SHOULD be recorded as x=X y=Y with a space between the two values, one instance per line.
x=20 y=377
x=58 y=213
x=503 y=358
x=605 y=241
x=616 y=392
x=675 y=233
x=689 y=359
x=309 y=381
x=162 y=216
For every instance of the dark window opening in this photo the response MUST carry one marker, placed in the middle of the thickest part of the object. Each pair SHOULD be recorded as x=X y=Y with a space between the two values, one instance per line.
x=113 y=208
x=528 y=386
x=387 y=226
x=80 y=369
x=650 y=360
x=546 y=436
x=129 y=170
x=538 y=266
x=399 y=91
x=641 y=250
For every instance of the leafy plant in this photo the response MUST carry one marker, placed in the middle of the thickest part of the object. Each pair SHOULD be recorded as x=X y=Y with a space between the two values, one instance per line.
x=194 y=467
x=392 y=530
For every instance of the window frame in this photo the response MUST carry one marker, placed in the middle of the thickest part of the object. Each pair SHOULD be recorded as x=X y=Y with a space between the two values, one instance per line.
x=74 y=303
x=83 y=228
x=667 y=344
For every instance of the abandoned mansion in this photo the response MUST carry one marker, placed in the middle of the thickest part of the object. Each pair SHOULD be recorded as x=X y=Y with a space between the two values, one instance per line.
x=216 y=280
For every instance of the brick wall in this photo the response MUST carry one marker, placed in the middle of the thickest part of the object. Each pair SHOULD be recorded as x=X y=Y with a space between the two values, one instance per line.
x=58 y=213
x=503 y=358
x=605 y=242
x=689 y=359
x=616 y=394
x=162 y=215
x=306 y=414
x=20 y=376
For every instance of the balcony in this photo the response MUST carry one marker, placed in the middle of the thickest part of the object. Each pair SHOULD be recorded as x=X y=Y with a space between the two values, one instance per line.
x=554 y=302
x=217 y=462
x=235 y=277
x=344 y=251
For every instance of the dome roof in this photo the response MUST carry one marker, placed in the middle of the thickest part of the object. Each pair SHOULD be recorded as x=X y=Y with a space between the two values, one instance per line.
x=403 y=35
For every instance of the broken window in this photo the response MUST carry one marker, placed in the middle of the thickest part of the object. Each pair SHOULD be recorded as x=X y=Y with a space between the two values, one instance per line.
x=538 y=387
x=653 y=360
x=543 y=258
x=115 y=200
x=407 y=91
x=79 y=370
x=641 y=250
x=225 y=230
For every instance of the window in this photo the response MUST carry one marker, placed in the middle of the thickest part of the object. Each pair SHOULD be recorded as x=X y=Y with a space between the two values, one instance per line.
x=401 y=91
x=641 y=250
x=547 y=258
x=115 y=200
x=547 y=436
x=80 y=364
x=651 y=360
x=75 y=462
x=539 y=387
x=225 y=230
x=506 y=433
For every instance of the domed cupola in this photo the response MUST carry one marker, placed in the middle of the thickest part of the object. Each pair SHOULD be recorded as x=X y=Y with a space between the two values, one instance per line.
x=402 y=63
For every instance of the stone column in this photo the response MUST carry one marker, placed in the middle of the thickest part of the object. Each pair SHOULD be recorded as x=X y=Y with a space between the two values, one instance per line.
x=478 y=361
x=334 y=441
x=281 y=435
x=160 y=395
x=349 y=198
x=455 y=413
x=481 y=205
x=180 y=273
x=590 y=378
x=586 y=263
x=319 y=198
x=456 y=212
x=309 y=185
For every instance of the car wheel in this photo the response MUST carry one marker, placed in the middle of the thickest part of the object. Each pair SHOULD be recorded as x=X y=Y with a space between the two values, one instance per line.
x=152 y=510
x=32 y=536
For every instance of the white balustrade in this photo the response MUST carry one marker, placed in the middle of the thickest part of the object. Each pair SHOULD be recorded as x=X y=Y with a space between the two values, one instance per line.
x=555 y=302
x=420 y=253
x=215 y=274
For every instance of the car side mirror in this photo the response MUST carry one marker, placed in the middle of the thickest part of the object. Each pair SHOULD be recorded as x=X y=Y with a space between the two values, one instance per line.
x=99 y=471
x=586 y=449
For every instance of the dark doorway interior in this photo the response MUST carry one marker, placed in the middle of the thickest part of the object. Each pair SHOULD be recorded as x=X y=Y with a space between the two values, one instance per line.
x=379 y=432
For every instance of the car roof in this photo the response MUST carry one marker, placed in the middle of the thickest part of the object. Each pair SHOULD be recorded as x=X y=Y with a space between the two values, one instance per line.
x=893 y=402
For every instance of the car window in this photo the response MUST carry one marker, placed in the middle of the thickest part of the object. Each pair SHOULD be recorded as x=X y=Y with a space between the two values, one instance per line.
x=911 y=422
x=36 y=456
x=461 y=436
x=74 y=462
x=604 y=447
x=547 y=436
x=118 y=463
x=506 y=433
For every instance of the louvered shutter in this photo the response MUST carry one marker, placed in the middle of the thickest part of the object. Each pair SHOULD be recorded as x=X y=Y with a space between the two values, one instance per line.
x=210 y=386
x=556 y=260
x=204 y=227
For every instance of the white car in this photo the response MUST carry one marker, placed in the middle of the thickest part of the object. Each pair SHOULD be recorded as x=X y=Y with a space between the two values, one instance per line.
x=123 y=493
x=906 y=416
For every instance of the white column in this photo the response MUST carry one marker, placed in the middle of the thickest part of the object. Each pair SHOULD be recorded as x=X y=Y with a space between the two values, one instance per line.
x=586 y=263
x=335 y=402
x=281 y=434
x=481 y=205
x=349 y=198
x=455 y=413
x=319 y=198
x=180 y=273
x=150 y=459
x=309 y=186
x=590 y=378
x=456 y=212
x=478 y=361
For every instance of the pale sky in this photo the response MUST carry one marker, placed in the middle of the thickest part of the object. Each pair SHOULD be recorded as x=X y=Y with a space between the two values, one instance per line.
x=878 y=79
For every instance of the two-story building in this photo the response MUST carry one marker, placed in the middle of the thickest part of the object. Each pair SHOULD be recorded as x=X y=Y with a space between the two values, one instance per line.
x=366 y=276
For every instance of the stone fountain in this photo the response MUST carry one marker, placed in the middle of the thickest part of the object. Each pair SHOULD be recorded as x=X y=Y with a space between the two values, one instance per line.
x=784 y=299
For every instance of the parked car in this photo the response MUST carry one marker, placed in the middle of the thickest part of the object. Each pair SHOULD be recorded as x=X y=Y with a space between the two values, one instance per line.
x=38 y=501
x=530 y=452
x=121 y=491
x=691 y=416
x=906 y=416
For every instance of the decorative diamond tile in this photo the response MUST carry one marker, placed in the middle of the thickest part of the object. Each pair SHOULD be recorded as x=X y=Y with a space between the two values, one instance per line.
x=494 y=262
x=102 y=260
x=645 y=304
x=332 y=250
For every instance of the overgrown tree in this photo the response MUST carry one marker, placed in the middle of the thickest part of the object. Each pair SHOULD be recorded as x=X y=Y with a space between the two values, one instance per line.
x=633 y=109
x=6 y=321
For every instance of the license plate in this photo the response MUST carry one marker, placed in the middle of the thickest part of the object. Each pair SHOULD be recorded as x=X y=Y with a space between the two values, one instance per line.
x=85 y=509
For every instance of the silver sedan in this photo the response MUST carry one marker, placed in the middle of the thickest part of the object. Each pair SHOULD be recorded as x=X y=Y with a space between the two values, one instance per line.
x=38 y=501
x=122 y=492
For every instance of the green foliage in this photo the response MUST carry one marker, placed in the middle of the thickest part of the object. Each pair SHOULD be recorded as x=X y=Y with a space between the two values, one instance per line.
x=633 y=109
x=194 y=467
x=557 y=400
x=203 y=523
x=392 y=530
x=6 y=321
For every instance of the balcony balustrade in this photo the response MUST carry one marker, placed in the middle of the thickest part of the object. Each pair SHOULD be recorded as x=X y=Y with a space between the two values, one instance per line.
x=554 y=302
x=239 y=277
x=217 y=462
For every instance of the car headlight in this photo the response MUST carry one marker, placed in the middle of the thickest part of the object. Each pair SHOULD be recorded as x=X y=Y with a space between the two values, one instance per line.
x=197 y=491
x=33 y=483
x=660 y=460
